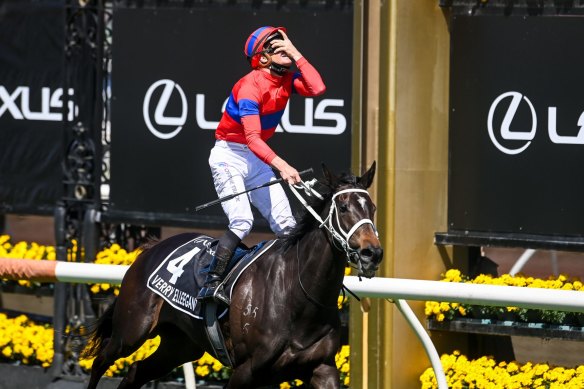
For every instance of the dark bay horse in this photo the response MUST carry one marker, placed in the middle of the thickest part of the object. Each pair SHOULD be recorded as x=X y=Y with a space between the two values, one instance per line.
x=283 y=322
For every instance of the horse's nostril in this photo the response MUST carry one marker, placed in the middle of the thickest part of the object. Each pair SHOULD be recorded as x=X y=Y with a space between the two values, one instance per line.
x=366 y=253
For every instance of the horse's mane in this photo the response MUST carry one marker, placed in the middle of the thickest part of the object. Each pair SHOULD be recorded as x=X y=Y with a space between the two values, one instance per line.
x=305 y=222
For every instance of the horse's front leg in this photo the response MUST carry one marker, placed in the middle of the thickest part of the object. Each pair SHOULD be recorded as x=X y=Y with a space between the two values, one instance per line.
x=325 y=376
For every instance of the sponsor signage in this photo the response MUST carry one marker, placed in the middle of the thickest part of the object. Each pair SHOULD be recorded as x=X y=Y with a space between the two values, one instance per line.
x=17 y=104
x=31 y=105
x=516 y=125
x=172 y=74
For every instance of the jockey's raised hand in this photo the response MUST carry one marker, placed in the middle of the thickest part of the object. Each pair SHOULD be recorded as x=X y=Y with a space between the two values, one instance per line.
x=285 y=46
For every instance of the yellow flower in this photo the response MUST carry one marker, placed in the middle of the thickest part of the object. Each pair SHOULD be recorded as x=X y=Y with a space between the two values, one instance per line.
x=7 y=351
x=512 y=367
x=115 y=247
x=429 y=308
x=217 y=366
x=202 y=371
x=541 y=368
x=345 y=351
x=347 y=380
x=452 y=275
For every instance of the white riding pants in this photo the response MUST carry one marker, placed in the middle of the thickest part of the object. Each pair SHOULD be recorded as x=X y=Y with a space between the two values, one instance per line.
x=236 y=168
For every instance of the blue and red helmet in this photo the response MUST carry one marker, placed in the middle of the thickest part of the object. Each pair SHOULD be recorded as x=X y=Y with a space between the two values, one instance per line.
x=254 y=46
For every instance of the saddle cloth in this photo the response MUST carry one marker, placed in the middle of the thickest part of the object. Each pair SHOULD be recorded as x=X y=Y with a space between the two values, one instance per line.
x=180 y=276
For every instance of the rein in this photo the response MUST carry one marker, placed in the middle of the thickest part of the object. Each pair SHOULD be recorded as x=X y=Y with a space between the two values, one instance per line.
x=308 y=296
x=312 y=299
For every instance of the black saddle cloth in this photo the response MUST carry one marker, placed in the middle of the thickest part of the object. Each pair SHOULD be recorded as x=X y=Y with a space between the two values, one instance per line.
x=181 y=275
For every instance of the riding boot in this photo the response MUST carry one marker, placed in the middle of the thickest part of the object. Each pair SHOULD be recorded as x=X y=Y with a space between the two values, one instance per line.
x=213 y=288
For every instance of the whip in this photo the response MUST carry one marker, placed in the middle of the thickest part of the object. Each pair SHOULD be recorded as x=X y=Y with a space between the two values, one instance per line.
x=229 y=197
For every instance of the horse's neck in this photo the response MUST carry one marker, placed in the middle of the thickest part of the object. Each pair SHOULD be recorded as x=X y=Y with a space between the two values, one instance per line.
x=321 y=268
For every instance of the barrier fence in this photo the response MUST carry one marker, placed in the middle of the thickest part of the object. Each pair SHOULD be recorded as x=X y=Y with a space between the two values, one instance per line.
x=397 y=290
x=392 y=288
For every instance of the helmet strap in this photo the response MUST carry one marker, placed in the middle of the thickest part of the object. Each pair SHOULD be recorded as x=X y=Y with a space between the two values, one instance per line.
x=278 y=69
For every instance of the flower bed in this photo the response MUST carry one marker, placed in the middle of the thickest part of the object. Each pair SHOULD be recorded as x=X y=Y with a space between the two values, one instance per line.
x=486 y=373
x=23 y=341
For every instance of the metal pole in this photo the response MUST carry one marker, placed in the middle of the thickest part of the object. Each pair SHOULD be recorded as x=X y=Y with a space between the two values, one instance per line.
x=526 y=256
x=60 y=295
x=420 y=331
x=189 y=373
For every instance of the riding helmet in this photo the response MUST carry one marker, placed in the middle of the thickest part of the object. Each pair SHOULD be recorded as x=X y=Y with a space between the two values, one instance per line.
x=254 y=46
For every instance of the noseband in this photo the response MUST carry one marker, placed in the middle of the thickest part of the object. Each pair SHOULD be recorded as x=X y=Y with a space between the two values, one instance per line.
x=340 y=236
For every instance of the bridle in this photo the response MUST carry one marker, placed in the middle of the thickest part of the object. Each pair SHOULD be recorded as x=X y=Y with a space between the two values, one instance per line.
x=340 y=237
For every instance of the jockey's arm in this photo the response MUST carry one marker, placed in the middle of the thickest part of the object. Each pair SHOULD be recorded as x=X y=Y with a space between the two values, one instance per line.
x=251 y=125
x=308 y=81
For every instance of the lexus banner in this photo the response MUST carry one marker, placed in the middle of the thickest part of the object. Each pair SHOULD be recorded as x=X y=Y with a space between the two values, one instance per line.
x=517 y=125
x=173 y=71
x=31 y=105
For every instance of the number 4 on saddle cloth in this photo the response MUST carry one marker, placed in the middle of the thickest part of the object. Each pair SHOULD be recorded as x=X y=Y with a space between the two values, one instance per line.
x=181 y=274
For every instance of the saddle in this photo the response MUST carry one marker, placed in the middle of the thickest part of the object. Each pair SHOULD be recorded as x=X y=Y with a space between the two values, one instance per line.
x=180 y=276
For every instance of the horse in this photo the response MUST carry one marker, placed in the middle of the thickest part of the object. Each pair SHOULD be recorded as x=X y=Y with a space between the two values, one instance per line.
x=283 y=322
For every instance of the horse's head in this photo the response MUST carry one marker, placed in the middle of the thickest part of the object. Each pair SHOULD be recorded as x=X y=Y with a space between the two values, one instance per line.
x=350 y=219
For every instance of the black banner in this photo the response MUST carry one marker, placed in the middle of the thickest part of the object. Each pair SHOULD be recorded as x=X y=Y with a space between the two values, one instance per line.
x=31 y=104
x=172 y=73
x=517 y=125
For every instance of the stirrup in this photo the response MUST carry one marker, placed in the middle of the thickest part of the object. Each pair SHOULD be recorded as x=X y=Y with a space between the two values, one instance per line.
x=216 y=293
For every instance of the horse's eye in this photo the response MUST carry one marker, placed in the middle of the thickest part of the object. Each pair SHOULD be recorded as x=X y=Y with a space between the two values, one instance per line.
x=343 y=207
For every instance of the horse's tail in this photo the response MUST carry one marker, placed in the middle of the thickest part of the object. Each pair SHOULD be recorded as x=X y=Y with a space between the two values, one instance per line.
x=98 y=332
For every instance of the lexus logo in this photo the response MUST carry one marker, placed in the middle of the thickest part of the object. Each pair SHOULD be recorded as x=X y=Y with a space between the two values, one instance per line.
x=505 y=132
x=176 y=123
x=527 y=136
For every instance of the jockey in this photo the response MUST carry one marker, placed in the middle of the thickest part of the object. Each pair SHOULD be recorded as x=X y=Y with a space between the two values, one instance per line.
x=241 y=159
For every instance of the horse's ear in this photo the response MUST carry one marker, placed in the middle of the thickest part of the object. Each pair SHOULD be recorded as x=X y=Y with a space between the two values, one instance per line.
x=330 y=178
x=367 y=178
